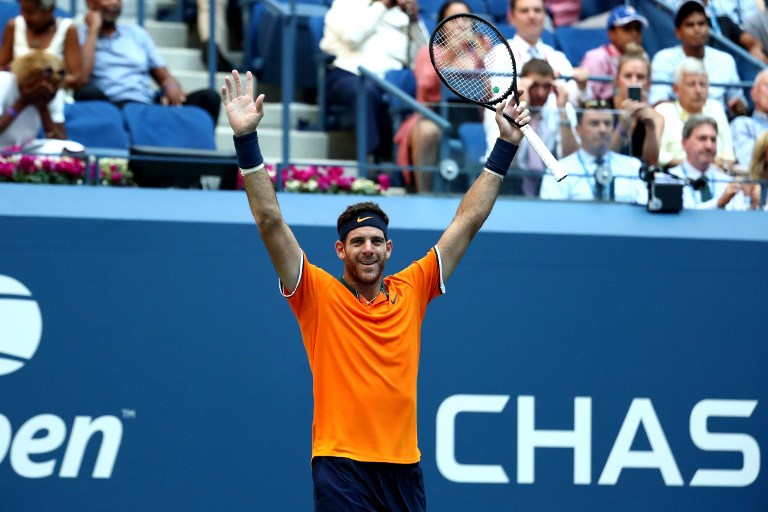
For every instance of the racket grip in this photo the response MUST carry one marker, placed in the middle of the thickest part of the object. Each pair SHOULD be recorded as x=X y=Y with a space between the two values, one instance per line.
x=544 y=153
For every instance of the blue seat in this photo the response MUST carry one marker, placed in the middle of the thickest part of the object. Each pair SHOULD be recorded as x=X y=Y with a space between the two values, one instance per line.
x=405 y=80
x=175 y=147
x=575 y=42
x=497 y=9
x=472 y=136
x=97 y=125
x=169 y=127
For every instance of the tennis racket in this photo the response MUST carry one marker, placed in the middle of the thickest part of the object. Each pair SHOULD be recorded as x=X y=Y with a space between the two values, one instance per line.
x=473 y=60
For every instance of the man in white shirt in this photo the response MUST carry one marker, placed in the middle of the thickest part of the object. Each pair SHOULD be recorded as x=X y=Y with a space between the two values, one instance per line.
x=528 y=17
x=716 y=189
x=746 y=129
x=382 y=35
x=595 y=173
x=692 y=29
x=691 y=87
x=552 y=118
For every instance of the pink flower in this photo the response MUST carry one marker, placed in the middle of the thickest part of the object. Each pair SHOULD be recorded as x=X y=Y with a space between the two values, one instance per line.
x=384 y=181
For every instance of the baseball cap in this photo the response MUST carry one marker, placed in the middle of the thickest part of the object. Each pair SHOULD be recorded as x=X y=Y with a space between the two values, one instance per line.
x=688 y=7
x=624 y=14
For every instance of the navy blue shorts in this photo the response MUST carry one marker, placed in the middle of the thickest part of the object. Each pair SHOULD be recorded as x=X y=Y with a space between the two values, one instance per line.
x=346 y=485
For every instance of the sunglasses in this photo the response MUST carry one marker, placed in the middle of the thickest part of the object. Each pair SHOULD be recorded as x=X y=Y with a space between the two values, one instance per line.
x=593 y=104
x=49 y=72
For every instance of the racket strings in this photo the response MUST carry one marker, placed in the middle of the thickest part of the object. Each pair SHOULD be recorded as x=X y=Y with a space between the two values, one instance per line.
x=473 y=60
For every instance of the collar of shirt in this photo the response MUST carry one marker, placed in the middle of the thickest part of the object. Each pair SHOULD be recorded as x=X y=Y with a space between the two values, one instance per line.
x=114 y=35
x=691 y=172
x=590 y=161
x=520 y=48
x=760 y=117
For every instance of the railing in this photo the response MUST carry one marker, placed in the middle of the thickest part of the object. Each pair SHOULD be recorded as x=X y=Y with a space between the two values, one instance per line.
x=365 y=77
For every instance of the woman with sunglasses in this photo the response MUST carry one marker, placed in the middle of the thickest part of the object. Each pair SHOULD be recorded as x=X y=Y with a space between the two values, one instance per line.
x=31 y=99
x=38 y=28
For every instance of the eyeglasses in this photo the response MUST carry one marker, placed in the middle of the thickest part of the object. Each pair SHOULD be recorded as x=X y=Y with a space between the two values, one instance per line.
x=595 y=104
x=49 y=72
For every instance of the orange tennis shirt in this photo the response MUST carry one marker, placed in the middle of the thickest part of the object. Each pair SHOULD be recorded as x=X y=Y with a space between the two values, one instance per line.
x=365 y=360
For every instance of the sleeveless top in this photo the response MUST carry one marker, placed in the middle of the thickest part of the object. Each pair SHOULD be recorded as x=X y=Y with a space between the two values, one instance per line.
x=55 y=47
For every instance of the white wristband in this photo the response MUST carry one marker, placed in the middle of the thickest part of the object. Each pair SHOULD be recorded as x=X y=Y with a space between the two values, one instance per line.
x=246 y=172
x=494 y=173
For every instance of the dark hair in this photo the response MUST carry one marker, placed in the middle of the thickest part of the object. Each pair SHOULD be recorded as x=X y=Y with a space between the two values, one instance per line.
x=539 y=67
x=357 y=208
x=687 y=8
x=633 y=51
x=594 y=104
x=695 y=121
x=512 y=4
x=446 y=5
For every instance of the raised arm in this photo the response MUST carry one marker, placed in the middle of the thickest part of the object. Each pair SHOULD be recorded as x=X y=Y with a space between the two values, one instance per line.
x=244 y=115
x=477 y=203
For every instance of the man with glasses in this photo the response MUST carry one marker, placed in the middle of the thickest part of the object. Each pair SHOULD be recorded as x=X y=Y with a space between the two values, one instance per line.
x=595 y=173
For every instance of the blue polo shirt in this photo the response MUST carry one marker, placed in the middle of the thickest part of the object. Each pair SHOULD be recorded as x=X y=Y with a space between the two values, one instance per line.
x=123 y=62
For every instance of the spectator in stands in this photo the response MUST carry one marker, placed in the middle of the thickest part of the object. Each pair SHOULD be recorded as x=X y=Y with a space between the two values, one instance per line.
x=528 y=16
x=758 y=166
x=625 y=26
x=746 y=129
x=552 y=118
x=37 y=28
x=418 y=139
x=640 y=126
x=382 y=35
x=726 y=26
x=692 y=29
x=120 y=59
x=564 y=12
x=221 y=35
x=738 y=10
x=757 y=26
x=594 y=171
x=719 y=190
x=31 y=98
x=691 y=87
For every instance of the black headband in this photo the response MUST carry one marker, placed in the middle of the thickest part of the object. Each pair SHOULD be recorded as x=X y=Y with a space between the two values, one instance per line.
x=363 y=219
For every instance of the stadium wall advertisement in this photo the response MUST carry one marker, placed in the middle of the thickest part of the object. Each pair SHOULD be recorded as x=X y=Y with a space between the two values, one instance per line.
x=585 y=357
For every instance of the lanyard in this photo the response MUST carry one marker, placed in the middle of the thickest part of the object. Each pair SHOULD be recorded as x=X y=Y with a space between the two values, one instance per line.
x=593 y=182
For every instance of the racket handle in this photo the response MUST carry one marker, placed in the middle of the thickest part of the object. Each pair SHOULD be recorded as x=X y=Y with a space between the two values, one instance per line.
x=545 y=154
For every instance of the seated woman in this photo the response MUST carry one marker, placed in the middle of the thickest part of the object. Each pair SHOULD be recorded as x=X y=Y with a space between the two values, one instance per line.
x=37 y=28
x=31 y=98
x=418 y=139
x=640 y=127
x=758 y=169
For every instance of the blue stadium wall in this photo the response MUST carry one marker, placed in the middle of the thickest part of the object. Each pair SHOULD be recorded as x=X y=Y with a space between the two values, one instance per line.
x=586 y=357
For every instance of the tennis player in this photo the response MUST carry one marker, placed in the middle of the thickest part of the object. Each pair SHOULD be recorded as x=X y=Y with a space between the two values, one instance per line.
x=361 y=331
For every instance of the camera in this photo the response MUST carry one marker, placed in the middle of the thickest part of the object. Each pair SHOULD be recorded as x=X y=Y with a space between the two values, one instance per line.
x=665 y=196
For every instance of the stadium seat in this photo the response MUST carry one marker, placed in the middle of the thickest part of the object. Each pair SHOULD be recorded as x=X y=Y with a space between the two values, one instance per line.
x=405 y=80
x=497 y=9
x=472 y=137
x=97 y=125
x=575 y=42
x=171 y=127
x=175 y=147
x=333 y=117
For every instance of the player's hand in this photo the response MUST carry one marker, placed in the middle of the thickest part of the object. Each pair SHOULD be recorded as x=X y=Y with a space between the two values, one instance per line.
x=507 y=130
x=243 y=113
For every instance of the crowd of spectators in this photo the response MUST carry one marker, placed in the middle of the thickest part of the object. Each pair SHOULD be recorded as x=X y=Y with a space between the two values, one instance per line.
x=602 y=131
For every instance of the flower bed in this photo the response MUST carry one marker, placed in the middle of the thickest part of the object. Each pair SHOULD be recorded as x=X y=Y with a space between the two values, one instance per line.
x=327 y=179
x=60 y=170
